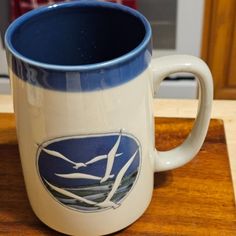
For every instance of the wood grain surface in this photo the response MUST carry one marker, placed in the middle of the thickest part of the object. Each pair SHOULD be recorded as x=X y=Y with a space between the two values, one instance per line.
x=196 y=199
x=219 y=45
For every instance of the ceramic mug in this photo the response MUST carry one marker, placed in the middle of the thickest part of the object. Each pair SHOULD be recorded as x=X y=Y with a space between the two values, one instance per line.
x=83 y=84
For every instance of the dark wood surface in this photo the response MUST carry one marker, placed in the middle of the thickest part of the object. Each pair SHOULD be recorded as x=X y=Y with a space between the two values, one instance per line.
x=196 y=199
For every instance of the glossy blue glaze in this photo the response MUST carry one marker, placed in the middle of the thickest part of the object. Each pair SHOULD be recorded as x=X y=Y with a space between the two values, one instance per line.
x=79 y=46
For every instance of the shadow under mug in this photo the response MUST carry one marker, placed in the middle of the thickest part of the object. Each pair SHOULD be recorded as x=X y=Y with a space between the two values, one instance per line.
x=83 y=83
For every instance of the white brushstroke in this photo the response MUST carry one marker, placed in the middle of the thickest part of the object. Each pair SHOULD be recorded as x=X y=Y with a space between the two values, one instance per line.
x=77 y=165
x=92 y=188
x=81 y=199
x=69 y=194
x=93 y=197
x=92 y=208
x=110 y=159
x=99 y=158
x=80 y=176
x=107 y=202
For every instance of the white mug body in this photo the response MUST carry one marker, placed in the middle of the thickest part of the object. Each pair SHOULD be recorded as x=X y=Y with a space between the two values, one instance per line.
x=44 y=115
x=85 y=132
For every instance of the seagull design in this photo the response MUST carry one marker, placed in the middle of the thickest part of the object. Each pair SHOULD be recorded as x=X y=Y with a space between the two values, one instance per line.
x=81 y=199
x=110 y=159
x=80 y=176
x=77 y=165
x=99 y=158
x=69 y=194
x=102 y=193
x=107 y=202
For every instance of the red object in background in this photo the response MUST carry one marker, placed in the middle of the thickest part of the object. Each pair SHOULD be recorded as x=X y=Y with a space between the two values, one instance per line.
x=19 y=7
x=129 y=3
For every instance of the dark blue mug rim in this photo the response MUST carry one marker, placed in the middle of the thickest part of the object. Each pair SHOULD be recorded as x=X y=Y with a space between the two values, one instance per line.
x=101 y=65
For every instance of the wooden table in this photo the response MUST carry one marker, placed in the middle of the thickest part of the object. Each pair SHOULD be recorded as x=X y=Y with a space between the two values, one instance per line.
x=196 y=199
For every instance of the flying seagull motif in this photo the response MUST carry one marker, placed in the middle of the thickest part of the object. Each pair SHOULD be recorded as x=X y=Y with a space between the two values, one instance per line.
x=80 y=176
x=69 y=194
x=81 y=199
x=110 y=159
x=107 y=202
x=76 y=166
x=99 y=158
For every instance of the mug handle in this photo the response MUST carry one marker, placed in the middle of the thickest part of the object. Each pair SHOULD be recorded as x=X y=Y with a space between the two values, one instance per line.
x=162 y=67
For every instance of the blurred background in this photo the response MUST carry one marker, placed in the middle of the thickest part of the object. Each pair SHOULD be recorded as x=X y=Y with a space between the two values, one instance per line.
x=203 y=28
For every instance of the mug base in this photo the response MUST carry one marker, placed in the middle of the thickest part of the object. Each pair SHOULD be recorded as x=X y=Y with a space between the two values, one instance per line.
x=102 y=231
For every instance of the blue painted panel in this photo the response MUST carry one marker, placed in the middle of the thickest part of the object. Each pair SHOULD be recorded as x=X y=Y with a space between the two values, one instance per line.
x=80 y=165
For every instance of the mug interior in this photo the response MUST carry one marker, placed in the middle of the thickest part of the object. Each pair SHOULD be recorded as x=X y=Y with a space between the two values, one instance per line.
x=78 y=34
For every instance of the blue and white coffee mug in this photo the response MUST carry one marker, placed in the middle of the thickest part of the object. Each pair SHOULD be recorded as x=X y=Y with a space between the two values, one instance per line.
x=83 y=83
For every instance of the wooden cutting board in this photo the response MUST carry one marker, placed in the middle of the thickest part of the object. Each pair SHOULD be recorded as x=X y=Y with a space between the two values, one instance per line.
x=196 y=199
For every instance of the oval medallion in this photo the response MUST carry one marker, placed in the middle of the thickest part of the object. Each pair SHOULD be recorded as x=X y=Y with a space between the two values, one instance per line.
x=91 y=172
